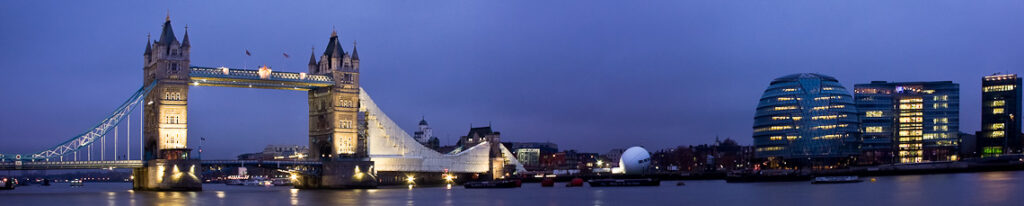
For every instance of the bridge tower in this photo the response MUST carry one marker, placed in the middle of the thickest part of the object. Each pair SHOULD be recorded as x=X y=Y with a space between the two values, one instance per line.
x=165 y=131
x=336 y=127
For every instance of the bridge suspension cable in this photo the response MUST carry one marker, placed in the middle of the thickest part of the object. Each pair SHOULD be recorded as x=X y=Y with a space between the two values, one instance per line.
x=86 y=139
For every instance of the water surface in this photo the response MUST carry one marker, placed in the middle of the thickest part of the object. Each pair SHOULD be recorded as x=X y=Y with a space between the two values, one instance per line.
x=990 y=188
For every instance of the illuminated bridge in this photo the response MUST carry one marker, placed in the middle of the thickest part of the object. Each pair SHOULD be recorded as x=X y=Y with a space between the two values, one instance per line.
x=353 y=143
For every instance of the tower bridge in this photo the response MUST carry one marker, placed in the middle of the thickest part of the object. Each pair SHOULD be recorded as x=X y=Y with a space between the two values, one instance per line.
x=353 y=143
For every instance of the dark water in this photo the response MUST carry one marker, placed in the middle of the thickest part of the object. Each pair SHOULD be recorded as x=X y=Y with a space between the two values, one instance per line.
x=992 y=188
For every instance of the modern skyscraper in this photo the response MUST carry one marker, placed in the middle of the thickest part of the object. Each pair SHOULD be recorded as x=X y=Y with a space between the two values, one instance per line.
x=908 y=122
x=1000 y=115
x=806 y=119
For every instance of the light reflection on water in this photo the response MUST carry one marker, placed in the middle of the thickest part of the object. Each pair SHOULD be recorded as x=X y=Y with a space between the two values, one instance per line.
x=993 y=188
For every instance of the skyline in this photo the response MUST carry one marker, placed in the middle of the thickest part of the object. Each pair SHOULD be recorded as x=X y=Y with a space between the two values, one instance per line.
x=573 y=88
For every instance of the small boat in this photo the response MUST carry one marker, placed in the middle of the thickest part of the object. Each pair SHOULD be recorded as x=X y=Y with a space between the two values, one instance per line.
x=680 y=183
x=76 y=183
x=46 y=182
x=234 y=182
x=547 y=182
x=624 y=182
x=767 y=176
x=836 y=180
x=493 y=184
x=8 y=183
x=282 y=182
x=575 y=182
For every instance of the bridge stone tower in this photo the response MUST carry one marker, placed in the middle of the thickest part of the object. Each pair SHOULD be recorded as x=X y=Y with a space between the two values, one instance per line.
x=336 y=127
x=166 y=156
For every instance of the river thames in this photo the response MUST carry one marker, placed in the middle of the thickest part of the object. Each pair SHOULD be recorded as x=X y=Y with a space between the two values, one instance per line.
x=989 y=188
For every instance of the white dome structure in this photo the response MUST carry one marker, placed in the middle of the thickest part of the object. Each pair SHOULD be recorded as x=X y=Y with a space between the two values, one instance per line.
x=635 y=160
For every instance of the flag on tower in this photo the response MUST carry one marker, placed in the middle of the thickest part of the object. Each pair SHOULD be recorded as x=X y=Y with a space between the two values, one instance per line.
x=286 y=55
x=247 y=53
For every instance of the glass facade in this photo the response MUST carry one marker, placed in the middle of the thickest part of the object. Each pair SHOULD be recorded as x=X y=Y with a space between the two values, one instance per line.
x=806 y=118
x=908 y=122
x=1000 y=116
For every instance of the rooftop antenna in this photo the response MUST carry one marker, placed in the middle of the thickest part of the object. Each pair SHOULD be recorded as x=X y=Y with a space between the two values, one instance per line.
x=168 y=15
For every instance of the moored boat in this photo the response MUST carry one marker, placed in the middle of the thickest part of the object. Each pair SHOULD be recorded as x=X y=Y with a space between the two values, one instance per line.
x=624 y=182
x=8 y=183
x=547 y=182
x=575 y=182
x=493 y=184
x=836 y=180
x=76 y=183
x=767 y=176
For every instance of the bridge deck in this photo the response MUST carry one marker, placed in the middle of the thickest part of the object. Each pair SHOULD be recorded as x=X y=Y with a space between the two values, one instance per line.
x=70 y=165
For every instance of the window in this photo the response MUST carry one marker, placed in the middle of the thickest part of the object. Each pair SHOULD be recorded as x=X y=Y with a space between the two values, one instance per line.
x=876 y=129
x=910 y=119
x=785 y=98
x=174 y=66
x=346 y=124
x=998 y=126
x=910 y=106
x=997 y=111
x=993 y=150
x=171 y=119
x=780 y=118
x=789 y=89
x=874 y=113
x=998 y=88
x=775 y=138
x=998 y=134
x=943 y=120
x=828 y=88
x=998 y=103
x=940 y=128
x=785 y=108
x=940 y=105
x=941 y=98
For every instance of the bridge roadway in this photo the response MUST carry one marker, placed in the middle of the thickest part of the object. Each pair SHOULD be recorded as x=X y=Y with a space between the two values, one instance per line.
x=52 y=165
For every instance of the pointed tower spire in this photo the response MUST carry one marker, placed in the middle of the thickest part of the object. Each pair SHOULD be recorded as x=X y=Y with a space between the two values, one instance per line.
x=149 y=48
x=184 y=40
x=312 y=57
x=167 y=35
x=355 y=53
x=334 y=46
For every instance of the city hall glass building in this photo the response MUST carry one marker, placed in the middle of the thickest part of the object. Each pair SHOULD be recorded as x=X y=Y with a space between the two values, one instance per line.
x=909 y=122
x=806 y=119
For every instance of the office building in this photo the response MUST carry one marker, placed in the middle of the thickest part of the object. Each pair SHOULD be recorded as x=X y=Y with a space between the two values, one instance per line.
x=909 y=122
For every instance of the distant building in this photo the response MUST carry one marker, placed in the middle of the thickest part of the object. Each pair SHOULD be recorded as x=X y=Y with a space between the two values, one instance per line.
x=806 y=119
x=278 y=152
x=529 y=153
x=570 y=160
x=908 y=122
x=968 y=145
x=723 y=156
x=612 y=157
x=476 y=136
x=1000 y=115
x=425 y=136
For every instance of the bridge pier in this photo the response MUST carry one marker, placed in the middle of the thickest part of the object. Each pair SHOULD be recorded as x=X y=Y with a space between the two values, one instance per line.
x=340 y=174
x=168 y=175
